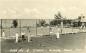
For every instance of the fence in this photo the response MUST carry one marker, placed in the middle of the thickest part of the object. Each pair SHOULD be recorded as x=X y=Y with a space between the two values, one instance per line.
x=30 y=25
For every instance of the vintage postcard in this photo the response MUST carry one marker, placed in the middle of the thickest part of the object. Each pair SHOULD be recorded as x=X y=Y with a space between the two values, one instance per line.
x=42 y=26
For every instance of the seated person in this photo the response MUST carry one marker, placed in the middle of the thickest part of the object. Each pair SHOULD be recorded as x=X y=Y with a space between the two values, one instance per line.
x=23 y=36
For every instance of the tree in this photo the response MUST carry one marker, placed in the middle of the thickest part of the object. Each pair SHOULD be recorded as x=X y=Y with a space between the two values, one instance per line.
x=79 y=20
x=15 y=23
x=41 y=23
x=55 y=22
x=58 y=19
x=58 y=16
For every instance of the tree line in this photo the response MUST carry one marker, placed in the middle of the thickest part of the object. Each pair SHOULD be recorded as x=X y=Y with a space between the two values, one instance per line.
x=58 y=18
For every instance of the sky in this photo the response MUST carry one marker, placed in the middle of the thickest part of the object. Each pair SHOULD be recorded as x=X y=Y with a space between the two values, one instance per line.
x=41 y=9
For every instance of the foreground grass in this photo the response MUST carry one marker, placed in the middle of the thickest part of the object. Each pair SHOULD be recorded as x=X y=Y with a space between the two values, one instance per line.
x=66 y=41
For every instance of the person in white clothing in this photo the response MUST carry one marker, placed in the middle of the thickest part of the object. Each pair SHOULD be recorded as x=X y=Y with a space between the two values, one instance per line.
x=57 y=35
x=3 y=34
x=29 y=37
x=17 y=37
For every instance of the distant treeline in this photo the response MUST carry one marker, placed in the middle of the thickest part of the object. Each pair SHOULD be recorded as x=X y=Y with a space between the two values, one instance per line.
x=58 y=20
x=66 y=23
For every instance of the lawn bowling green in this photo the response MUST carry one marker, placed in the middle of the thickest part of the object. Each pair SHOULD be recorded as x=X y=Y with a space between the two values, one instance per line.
x=67 y=41
x=41 y=38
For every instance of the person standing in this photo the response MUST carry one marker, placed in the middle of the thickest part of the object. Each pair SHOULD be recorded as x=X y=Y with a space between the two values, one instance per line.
x=3 y=34
x=29 y=36
x=58 y=34
x=17 y=37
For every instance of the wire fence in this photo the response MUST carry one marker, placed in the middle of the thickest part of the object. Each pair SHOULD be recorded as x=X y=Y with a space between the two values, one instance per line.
x=30 y=25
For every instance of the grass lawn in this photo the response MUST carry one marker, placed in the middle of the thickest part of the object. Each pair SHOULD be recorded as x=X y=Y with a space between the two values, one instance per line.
x=46 y=42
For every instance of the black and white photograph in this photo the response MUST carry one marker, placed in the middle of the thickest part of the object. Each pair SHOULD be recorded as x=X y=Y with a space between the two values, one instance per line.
x=42 y=26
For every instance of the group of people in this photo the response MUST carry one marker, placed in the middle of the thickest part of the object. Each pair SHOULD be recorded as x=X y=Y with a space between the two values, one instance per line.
x=23 y=36
x=18 y=37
